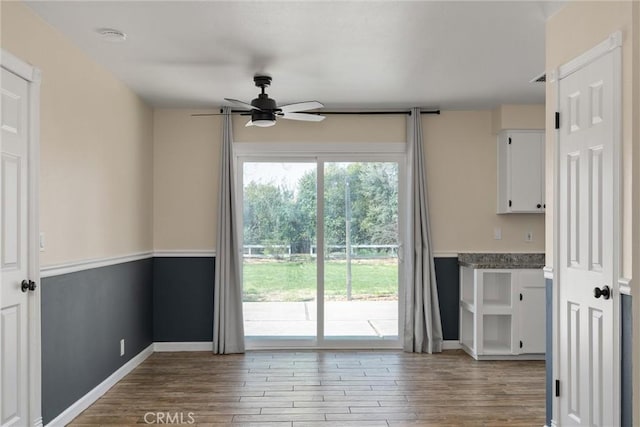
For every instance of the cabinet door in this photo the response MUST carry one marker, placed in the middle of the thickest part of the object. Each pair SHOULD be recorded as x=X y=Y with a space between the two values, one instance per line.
x=525 y=153
x=532 y=319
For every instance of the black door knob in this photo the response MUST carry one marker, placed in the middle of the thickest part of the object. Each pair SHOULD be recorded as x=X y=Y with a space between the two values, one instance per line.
x=28 y=285
x=605 y=292
x=538 y=205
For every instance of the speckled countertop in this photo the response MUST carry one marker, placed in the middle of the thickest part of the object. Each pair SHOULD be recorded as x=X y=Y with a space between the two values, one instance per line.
x=501 y=260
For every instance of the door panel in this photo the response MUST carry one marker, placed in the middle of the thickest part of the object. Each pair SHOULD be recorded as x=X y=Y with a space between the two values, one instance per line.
x=361 y=250
x=573 y=367
x=595 y=201
x=13 y=259
x=596 y=368
x=279 y=270
x=587 y=324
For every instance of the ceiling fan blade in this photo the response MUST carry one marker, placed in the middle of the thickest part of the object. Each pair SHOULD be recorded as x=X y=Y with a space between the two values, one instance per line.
x=301 y=106
x=303 y=116
x=249 y=123
x=241 y=104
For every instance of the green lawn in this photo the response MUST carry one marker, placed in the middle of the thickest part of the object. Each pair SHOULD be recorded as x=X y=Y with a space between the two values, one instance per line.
x=296 y=281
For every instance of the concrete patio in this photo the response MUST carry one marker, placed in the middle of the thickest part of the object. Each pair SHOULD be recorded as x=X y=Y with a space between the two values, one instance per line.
x=373 y=319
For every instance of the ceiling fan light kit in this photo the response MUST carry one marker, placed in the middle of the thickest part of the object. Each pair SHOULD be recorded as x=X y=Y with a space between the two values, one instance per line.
x=264 y=110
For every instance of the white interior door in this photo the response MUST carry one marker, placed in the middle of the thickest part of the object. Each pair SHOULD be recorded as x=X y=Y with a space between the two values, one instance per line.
x=14 y=262
x=588 y=317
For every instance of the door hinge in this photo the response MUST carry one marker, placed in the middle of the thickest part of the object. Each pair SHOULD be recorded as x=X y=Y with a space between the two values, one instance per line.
x=509 y=140
x=557 y=388
x=557 y=120
x=520 y=297
x=509 y=203
x=520 y=344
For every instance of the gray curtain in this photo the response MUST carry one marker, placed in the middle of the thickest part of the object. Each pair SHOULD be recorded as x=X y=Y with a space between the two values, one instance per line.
x=422 y=325
x=228 y=328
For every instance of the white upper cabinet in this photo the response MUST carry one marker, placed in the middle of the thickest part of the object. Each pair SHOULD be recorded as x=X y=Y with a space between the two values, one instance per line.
x=521 y=171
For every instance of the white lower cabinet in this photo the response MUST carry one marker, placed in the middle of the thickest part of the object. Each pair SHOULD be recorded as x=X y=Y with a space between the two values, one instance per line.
x=502 y=313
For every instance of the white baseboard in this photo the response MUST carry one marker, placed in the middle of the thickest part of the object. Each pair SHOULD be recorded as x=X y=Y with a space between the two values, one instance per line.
x=451 y=345
x=208 y=346
x=88 y=399
x=183 y=346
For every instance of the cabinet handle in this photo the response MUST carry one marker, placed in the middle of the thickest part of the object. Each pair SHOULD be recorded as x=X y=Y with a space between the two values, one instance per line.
x=538 y=206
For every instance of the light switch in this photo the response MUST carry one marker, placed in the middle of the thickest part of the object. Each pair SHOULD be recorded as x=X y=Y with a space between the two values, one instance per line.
x=42 y=241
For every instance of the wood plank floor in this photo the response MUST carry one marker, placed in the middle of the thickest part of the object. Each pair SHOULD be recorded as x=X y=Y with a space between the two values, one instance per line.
x=325 y=388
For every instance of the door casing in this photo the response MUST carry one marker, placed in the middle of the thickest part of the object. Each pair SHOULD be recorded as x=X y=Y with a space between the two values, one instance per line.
x=319 y=154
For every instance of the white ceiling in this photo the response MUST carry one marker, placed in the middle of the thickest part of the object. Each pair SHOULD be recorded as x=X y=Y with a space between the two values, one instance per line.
x=346 y=54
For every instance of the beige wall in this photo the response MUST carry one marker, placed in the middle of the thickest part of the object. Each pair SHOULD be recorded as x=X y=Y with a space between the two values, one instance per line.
x=96 y=142
x=576 y=28
x=336 y=128
x=186 y=156
x=461 y=158
x=518 y=117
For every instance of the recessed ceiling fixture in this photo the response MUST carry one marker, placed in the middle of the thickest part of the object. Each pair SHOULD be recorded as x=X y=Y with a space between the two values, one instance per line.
x=111 y=35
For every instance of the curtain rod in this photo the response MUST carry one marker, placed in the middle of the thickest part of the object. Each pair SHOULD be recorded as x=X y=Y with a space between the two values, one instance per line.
x=361 y=113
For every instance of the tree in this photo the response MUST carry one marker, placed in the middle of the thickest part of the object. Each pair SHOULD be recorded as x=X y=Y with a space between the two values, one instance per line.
x=276 y=215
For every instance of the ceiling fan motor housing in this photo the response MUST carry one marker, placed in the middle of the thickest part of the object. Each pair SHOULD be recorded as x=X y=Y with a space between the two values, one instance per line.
x=265 y=103
x=263 y=115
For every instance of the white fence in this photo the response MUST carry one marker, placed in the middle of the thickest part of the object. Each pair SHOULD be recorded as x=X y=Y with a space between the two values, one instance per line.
x=388 y=250
x=266 y=251
x=332 y=251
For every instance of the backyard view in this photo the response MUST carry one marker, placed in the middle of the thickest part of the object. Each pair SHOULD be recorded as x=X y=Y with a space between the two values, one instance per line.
x=360 y=280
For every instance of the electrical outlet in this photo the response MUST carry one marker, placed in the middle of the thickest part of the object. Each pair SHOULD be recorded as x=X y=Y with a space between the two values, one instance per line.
x=122 y=347
x=529 y=236
x=497 y=233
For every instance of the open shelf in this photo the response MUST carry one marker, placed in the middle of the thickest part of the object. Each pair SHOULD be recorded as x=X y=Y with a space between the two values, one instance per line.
x=466 y=329
x=497 y=333
x=497 y=288
x=467 y=285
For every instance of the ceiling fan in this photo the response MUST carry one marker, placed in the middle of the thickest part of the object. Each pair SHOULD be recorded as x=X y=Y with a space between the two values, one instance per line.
x=264 y=110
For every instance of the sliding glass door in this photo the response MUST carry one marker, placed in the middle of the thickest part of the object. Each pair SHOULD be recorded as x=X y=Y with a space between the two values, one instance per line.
x=320 y=257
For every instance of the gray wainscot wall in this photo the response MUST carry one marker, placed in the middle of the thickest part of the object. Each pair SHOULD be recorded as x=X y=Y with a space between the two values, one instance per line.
x=84 y=316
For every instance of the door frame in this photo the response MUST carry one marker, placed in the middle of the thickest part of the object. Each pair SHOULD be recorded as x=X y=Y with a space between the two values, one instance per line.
x=33 y=76
x=613 y=45
x=320 y=154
